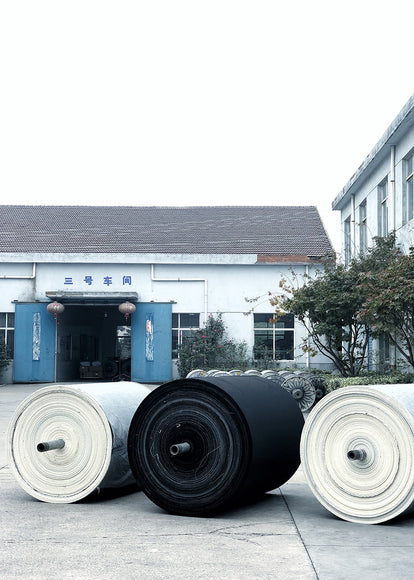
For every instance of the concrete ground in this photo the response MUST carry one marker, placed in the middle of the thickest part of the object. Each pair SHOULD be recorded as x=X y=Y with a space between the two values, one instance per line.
x=286 y=535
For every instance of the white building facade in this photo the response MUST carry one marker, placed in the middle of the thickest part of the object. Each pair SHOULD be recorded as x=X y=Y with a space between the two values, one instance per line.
x=378 y=200
x=176 y=265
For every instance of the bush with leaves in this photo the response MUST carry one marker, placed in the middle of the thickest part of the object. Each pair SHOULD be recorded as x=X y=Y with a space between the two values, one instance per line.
x=4 y=354
x=209 y=348
x=389 y=290
x=344 y=305
x=328 y=306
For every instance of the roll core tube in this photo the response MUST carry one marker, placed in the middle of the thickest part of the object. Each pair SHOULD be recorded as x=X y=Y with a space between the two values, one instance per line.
x=65 y=441
x=49 y=445
x=200 y=445
x=357 y=452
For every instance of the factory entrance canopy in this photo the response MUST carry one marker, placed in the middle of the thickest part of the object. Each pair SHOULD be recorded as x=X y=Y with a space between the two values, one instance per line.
x=92 y=297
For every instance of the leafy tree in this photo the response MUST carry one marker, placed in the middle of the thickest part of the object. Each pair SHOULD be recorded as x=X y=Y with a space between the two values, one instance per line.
x=389 y=304
x=343 y=305
x=209 y=348
x=329 y=306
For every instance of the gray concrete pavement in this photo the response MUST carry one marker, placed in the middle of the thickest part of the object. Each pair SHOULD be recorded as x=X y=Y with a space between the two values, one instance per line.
x=286 y=535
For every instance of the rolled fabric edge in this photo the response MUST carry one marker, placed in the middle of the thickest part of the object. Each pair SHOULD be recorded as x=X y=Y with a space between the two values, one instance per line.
x=355 y=447
x=46 y=482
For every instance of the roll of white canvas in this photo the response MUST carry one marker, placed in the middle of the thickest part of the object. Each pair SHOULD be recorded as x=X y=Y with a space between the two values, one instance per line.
x=357 y=452
x=66 y=441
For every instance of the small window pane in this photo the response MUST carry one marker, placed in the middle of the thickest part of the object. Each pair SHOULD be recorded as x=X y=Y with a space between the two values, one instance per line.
x=10 y=321
x=175 y=320
x=410 y=198
x=286 y=321
x=189 y=320
x=174 y=343
x=10 y=343
x=2 y=319
x=263 y=320
x=409 y=166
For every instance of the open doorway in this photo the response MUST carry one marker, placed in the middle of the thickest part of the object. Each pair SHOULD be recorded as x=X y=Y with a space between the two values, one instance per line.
x=94 y=343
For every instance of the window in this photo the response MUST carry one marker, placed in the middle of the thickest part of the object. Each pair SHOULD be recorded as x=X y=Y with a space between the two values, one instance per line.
x=182 y=328
x=347 y=240
x=363 y=233
x=274 y=339
x=382 y=193
x=407 y=189
x=7 y=330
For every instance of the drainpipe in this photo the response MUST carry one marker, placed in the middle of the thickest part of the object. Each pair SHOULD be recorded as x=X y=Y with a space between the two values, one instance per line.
x=26 y=277
x=154 y=279
x=392 y=186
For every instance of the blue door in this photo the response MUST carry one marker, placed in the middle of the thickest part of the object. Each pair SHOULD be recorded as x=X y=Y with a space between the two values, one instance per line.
x=34 y=344
x=151 y=343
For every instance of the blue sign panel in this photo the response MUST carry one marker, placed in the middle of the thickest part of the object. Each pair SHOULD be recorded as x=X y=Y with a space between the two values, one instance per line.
x=34 y=344
x=151 y=333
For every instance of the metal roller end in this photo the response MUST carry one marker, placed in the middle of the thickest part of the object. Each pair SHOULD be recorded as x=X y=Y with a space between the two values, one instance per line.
x=49 y=445
x=180 y=448
x=356 y=454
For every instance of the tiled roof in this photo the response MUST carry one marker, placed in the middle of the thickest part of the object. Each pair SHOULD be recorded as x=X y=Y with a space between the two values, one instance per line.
x=270 y=231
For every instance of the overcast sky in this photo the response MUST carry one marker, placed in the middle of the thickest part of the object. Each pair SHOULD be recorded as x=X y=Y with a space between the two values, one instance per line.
x=186 y=102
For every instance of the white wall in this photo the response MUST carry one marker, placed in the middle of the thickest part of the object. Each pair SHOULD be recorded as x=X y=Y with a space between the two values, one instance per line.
x=228 y=287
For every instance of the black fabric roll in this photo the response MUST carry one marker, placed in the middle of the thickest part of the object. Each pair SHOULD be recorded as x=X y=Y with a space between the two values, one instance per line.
x=199 y=446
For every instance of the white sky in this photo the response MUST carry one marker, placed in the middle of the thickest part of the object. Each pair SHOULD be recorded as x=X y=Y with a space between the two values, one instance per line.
x=186 y=102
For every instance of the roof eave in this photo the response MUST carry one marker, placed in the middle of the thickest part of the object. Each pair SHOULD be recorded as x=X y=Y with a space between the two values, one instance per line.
x=402 y=122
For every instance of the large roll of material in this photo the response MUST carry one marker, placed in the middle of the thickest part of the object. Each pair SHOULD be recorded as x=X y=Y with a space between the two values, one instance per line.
x=198 y=446
x=66 y=441
x=357 y=451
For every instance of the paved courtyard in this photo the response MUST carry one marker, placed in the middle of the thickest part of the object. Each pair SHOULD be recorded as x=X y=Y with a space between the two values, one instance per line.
x=286 y=535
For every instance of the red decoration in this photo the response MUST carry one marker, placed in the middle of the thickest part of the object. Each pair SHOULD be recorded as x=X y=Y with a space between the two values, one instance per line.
x=55 y=308
x=127 y=308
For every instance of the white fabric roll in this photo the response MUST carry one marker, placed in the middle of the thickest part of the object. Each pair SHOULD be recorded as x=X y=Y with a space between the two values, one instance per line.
x=93 y=421
x=357 y=452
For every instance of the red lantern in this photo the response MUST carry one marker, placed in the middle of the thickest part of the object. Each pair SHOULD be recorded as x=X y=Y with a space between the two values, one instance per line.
x=55 y=308
x=127 y=308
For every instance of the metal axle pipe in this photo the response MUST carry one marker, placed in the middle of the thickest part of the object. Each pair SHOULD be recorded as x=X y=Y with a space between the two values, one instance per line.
x=49 y=445
x=180 y=448
x=356 y=454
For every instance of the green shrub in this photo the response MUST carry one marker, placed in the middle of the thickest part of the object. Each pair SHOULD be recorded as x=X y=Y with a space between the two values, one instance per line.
x=4 y=354
x=210 y=348
x=334 y=382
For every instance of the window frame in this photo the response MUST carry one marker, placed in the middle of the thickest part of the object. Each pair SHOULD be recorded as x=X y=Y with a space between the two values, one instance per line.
x=7 y=331
x=408 y=188
x=382 y=201
x=363 y=227
x=178 y=331
x=275 y=329
x=347 y=240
